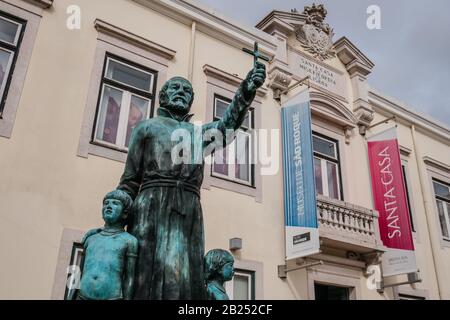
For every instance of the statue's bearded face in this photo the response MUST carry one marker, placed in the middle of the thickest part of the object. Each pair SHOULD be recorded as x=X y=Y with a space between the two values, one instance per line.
x=177 y=95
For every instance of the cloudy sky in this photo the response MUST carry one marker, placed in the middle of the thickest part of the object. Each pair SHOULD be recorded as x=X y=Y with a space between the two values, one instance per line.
x=411 y=52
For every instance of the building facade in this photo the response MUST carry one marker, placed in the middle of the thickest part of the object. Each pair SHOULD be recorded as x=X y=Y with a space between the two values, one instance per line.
x=71 y=94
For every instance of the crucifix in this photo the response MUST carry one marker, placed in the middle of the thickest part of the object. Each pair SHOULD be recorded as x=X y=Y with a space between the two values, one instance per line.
x=256 y=54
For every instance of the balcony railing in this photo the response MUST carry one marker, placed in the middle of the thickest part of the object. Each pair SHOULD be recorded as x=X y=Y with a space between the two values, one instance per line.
x=348 y=226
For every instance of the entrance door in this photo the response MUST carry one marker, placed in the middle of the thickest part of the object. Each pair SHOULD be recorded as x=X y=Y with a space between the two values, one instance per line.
x=327 y=292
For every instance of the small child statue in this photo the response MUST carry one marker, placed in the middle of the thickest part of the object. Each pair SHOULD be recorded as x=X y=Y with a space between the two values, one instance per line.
x=109 y=254
x=218 y=269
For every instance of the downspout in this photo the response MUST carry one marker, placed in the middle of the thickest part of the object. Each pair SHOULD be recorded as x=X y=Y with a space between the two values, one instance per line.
x=192 y=52
x=422 y=180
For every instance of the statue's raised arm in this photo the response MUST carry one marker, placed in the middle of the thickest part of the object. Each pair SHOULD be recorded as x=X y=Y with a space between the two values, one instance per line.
x=166 y=217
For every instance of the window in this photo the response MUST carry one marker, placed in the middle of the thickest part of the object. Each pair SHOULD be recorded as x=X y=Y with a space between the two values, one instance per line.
x=405 y=180
x=76 y=259
x=326 y=167
x=327 y=292
x=11 y=33
x=442 y=195
x=126 y=98
x=235 y=162
x=242 y=287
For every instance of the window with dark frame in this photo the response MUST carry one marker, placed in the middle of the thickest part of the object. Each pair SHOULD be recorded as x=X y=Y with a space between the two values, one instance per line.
x=126 y=97
x=241 y=170
x=327 y=167
x=442 y=197
x=11 y=34
x=405 y=181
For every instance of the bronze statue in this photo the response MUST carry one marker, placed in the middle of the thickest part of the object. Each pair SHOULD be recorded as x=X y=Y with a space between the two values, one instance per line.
x=166 y=216
x=109 y=254
x=218 y=269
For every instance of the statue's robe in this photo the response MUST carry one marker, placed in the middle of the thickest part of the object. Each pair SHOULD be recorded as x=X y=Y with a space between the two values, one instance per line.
x=166 y=216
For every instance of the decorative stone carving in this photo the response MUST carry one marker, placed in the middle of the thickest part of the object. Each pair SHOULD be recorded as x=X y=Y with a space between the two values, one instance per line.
x=348 y=134
x=316 y=36
x=219 y=268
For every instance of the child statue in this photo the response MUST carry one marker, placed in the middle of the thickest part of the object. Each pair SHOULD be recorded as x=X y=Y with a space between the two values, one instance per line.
x=218 y=270
x=109 y=254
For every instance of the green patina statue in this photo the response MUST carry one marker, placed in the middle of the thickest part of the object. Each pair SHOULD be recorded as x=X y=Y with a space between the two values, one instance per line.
x=109 y=254
x=166 y=216
x=218 y=270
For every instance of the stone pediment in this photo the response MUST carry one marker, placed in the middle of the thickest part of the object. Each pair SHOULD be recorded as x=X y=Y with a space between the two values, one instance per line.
x=332 y=109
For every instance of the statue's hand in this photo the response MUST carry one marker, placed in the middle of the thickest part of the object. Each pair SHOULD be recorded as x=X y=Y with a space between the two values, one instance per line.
x=256 y=77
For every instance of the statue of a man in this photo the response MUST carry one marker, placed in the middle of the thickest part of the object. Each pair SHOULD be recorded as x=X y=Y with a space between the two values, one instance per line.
x=219 y=268
x=166 y=216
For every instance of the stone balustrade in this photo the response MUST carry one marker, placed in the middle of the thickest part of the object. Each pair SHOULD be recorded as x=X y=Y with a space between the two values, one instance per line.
x=348 y=223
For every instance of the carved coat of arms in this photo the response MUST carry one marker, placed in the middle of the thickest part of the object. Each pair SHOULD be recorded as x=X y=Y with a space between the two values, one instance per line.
x=315 y=35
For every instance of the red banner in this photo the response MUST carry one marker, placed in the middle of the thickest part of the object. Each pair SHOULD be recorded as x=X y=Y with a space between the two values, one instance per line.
x=390 y=200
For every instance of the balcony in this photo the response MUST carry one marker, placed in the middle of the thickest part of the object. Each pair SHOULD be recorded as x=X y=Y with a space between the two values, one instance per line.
x=348 y=227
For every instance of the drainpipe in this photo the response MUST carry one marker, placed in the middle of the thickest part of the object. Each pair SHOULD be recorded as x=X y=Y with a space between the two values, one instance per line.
x=192 y=52
x=422 y=180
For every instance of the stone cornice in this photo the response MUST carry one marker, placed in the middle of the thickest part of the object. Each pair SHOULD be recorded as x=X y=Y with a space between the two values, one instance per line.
x=107 y=28
x=231 y=79
x=405 y=151
x=213 y=24
x=396 y=108
x=436 y=164
x=353 y=59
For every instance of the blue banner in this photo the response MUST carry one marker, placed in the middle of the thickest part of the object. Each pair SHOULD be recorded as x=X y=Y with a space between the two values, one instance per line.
x=302 y=236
